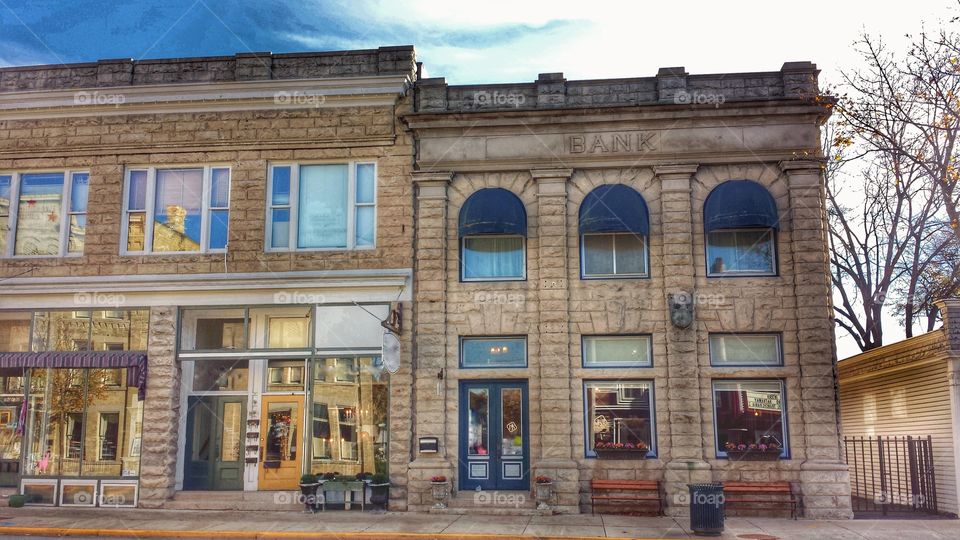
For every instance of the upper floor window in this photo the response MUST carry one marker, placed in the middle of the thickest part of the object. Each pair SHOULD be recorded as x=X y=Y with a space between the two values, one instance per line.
x=493 y=231
x=43 y=214
x=614 y=227
x=495 y=352
x=176 y=210
x=745 y=350
x=741 y=221
x=617 y=351
x=322 y=206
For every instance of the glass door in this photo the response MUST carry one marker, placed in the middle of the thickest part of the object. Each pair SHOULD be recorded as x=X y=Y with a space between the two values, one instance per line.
x=494 y=448
x=214 y=453
x=280 y=432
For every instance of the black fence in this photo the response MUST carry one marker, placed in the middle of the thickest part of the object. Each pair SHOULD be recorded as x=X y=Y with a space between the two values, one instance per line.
x=891 y=475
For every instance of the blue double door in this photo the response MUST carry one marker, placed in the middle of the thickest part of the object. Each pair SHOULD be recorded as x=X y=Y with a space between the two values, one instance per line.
x=494 y=435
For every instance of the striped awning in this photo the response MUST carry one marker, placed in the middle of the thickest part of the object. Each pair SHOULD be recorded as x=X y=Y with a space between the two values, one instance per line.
x=134 y=362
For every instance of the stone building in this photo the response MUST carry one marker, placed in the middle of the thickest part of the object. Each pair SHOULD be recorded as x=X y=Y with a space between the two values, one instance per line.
x=196 y=255
x=623 y=279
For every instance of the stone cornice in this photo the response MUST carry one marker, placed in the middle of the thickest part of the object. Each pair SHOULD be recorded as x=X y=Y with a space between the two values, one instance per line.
x=205 y=97
x=432 y=185
x=551 y=174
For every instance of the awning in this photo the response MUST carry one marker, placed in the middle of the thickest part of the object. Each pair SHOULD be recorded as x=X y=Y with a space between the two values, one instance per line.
x=493 y=211
x=738 y=204
x=134 y=362
x=614 y=208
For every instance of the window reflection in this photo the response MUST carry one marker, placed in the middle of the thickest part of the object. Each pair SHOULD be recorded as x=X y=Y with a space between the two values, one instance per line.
x=349 y=415
x=82 y=424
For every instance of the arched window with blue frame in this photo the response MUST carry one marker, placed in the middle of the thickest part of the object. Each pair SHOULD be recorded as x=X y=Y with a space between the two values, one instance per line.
x=493 y=233
x=614 y=226
x=740 y=222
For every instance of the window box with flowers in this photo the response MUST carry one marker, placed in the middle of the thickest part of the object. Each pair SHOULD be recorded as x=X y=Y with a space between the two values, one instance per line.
x=753 y=452
x=610 y=450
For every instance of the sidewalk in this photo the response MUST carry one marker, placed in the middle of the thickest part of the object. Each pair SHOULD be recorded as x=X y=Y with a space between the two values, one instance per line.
x=341 y=525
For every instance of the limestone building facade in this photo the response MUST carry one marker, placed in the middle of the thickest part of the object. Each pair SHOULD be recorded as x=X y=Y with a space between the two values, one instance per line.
x=623 y=279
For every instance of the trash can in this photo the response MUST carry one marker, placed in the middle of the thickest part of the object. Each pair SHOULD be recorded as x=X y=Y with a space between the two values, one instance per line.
x=706 y=509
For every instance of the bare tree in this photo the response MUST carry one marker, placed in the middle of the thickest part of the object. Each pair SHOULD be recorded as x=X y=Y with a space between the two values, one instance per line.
x=892 y=185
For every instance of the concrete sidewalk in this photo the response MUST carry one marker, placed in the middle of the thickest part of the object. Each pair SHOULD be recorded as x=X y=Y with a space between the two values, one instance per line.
x=342 y=524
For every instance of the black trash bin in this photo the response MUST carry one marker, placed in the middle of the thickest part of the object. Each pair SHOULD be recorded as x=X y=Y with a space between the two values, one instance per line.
x=706 y=509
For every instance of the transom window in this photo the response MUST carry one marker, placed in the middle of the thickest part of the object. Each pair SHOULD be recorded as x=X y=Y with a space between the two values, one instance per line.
x=321 y=206
x=43 y=214
x=493 y=230
x=176 y=210
x=614 y=224
x=616 y=351
x=745 y=350
x=740 y=221
x=481 y=352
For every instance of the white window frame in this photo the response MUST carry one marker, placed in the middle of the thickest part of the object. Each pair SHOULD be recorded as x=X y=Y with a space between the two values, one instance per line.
x=776 y=336
x=746 y=273
x=150 y=208
x=12 y=220
x=523 y=249
x=294 y=206
x=646 y=258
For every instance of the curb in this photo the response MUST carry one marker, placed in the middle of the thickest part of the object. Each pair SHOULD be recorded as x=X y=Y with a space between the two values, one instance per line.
x=153 y=533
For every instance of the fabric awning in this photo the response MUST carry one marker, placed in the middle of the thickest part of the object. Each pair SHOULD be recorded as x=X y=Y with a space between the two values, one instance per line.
x=493 y=211
x=134 y=362
x=614 y=208
x=738 y=204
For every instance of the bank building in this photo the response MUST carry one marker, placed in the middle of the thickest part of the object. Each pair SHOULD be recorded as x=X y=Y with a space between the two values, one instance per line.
x=200 y=259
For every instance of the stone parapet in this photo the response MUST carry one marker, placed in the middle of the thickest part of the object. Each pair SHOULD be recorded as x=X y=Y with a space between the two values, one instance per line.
x=673 y=85
x=399 y=60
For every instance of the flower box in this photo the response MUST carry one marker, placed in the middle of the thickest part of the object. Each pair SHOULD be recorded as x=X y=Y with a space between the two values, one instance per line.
x=754 y=454
x=622 y=453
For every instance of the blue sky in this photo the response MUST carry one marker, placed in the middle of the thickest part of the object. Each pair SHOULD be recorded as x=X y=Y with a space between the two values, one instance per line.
x=493 y=40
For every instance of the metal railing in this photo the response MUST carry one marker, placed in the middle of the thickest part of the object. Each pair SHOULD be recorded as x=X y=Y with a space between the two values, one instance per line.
x=891 y=474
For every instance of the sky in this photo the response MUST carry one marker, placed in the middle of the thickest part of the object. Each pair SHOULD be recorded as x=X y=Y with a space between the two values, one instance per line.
x=477 y=41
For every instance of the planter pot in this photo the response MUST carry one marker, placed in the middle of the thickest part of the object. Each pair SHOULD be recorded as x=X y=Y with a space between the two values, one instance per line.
x=441 y=492
x=621 y=453
x=544 y=493
x=380 y=494
x=753 y=455
x=17 y=501
x=309 y=493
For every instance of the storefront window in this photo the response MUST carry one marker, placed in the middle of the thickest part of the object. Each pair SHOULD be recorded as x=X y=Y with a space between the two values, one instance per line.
x=493 y=352
x=15 y=331
x=749 y=413
x=82 y=424
x=280 y=327
x=101 y=330
x=285 y=375
x=620 y=415
x=349 y=415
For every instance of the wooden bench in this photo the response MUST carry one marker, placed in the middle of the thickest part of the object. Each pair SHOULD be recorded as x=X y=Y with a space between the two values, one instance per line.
x=762 y=493
x=639 y=491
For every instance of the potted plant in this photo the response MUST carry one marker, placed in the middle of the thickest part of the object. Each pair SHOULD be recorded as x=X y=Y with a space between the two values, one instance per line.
x=308 y=489
x=612 y=450
x=380 y=490
x=17 y=501
x=441 y=491
x=753 y=451
x=544 y=491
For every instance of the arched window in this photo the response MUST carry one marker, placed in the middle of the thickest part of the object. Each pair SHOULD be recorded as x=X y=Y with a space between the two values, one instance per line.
x=493 y=231
x=740 y=221
x=614 y=227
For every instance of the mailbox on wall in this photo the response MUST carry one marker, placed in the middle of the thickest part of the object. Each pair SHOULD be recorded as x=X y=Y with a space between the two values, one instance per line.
x=429 y=445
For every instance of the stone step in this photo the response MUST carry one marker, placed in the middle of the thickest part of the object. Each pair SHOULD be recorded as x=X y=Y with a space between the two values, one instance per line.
x=246 y=501
x=497 y=503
